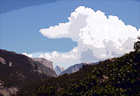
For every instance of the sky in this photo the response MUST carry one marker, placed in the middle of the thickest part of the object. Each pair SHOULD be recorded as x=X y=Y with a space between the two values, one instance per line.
x=68 y=32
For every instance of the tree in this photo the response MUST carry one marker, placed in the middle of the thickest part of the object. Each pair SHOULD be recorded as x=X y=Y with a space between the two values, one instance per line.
x=137 y=45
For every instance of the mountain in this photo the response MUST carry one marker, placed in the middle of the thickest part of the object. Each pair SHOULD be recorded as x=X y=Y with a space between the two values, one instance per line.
x=45 y=62
x=74 y=68
x=58 y=69
x=118 y=76
x=18 y=70
x=113 y=77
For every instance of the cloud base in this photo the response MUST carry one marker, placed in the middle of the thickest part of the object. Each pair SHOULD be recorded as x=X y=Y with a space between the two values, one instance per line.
x=98 y=37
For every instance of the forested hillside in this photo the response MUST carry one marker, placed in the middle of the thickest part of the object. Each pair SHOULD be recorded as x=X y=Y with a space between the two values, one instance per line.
x=113 y=77
x=17 y=70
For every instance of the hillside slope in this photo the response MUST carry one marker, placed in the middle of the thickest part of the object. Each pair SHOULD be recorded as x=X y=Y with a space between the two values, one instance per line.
x=17 y=70
x=113 y=77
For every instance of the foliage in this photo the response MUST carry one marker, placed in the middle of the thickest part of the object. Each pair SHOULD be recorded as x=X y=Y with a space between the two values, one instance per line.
x=112 y=77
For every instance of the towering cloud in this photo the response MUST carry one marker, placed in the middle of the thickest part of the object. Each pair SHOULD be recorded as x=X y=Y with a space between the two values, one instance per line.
x=98 y=36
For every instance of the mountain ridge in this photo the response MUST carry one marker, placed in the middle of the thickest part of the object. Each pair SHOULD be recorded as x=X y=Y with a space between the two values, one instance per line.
x=45 y=62
x=17 y=70
x=75 y=68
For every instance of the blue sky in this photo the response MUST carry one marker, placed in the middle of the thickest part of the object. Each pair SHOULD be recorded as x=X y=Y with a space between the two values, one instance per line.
x=21 y=20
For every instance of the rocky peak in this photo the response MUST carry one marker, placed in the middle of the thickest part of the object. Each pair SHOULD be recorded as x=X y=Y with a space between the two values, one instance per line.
x=45 y=62
x=58 y=69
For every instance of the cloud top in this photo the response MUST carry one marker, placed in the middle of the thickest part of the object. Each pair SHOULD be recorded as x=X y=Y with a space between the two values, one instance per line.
x=97 y=35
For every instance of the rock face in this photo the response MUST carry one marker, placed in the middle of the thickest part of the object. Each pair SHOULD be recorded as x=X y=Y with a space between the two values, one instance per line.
x=58 y=69
x=18 y=70
x=45 y=62
x=74 y=68
x=4 y=91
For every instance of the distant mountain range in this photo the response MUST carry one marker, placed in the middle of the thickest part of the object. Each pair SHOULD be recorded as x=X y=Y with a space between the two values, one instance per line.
x=18 y=70
x=74 y=68
x=58 y=69
x=112 y=77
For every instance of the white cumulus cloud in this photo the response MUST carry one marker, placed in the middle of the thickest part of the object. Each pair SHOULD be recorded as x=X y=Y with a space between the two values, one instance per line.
x=29 y=55
x=98 y=36
x=64 y=59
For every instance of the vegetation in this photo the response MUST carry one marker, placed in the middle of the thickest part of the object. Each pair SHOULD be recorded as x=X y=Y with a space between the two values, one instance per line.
x=112 y=77
x=19 y=70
